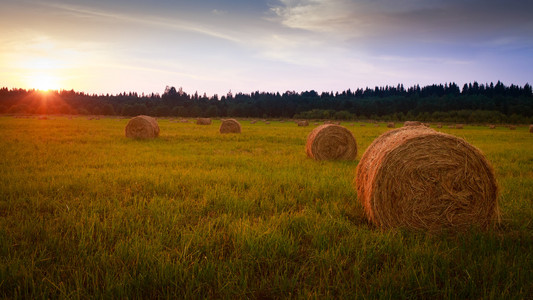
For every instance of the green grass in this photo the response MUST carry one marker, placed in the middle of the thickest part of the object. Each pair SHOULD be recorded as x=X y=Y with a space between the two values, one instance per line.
x=87 y=213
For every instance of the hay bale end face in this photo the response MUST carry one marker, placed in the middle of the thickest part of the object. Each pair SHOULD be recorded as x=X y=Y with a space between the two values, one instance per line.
x=390 y=125
x=412 y=123
x=230 y=126
x=531 y=128
x=303 y=123
x=142 y=127
x=331 y=142
x=459 y=126
x=418 y=178
x=203 y=121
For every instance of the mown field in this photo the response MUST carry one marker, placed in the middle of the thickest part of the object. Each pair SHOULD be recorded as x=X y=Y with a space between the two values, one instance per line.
x=87 y=213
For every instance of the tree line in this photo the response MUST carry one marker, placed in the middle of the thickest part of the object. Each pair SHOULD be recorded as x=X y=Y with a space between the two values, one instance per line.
x=474 y=102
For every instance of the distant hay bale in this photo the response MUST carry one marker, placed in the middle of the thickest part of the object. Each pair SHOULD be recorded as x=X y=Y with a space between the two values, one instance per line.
x=391 y=125
x=530 y=128
x=512 y=127
x=316 y=123
x=426 y=124
x=142 y=127
x=439 y=125
x=412 y=123
x=459 y=126
x=253 y=122
x=267 y=122
x=230 y=126
x=492 y=126
x=203 y=121
x=331 y=142
x=376 y=125
x=303 y=123
x=363 y=125
x=184 y=121
x=328 y=122
x=416 y=177
x=451 y=126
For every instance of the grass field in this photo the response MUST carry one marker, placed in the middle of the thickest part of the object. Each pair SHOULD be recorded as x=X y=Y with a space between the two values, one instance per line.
x=85 y=213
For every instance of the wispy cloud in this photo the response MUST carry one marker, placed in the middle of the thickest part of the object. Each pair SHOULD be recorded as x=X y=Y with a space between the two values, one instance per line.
x=142 y=19
x=428 y=19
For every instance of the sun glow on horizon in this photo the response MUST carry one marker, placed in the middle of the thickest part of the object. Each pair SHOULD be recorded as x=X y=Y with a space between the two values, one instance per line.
x=43 y=82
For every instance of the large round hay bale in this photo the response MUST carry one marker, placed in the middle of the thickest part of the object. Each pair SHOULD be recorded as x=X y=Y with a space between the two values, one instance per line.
x=142 y=127
x=416 y=177
x=531 y=128
x=390 y=125
x=203 y=121
x=331 y=142
x=230 y=126
x=302 y=123
x=411 y=123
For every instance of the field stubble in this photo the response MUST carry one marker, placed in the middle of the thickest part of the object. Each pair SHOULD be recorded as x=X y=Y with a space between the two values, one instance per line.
x=86 y=212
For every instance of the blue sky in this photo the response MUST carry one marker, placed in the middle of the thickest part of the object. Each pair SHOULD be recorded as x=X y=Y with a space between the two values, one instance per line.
x=265 y=45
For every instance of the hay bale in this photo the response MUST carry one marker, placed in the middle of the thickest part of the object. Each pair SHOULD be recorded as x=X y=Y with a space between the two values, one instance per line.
x=391 y=125
x=512 y=127
x=412 y=123
x=302 y=123
x=439 y=125
x=316 y=123
x=142 y=127
x=376 y=125
x=203 y=121
x=253 y=122
x=230 y=126
x=530 y=128
x=267 y=122
x=363 y=125
x=416 y=177
x=492 y=126
x=184 y=121
x=331 y=142
x=459 y=126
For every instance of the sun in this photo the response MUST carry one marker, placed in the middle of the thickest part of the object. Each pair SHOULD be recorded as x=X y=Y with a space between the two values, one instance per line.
x=43 y=81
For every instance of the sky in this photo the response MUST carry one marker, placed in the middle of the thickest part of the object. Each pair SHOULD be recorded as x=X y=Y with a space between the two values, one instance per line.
x=105 y=46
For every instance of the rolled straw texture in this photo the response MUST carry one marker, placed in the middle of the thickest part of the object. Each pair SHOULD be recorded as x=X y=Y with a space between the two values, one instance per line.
x=412 y=123
x=303 y=123
x=203 y=121
x=531 y=128
x=390 y=125
x=331 y=142
x=142 y=127
x=230 y=126
x=415 y=177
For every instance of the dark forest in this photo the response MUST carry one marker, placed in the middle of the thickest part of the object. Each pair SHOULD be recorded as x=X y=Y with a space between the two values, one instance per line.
x=473 y=103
